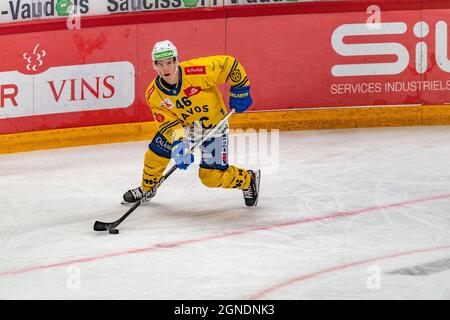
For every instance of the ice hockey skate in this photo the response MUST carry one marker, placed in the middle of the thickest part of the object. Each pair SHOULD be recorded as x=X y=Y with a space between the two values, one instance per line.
x=251 y=194
x=135 y=194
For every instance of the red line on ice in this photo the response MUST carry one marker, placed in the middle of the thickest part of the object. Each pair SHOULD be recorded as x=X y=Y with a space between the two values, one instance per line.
x=304 y=277
x=176 y=244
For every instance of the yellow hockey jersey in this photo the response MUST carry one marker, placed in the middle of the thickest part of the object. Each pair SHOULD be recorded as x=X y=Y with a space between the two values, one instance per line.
x=196 y=98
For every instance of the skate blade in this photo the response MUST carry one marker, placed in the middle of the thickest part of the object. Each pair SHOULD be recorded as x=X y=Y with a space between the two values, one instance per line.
x=130 y=204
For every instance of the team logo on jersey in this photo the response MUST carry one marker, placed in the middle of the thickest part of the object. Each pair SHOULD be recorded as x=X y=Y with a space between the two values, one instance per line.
x=236 y=76
x=159 y=117
x=195 y=70
x=150 y=91
x=168 y=103
x=191 y=91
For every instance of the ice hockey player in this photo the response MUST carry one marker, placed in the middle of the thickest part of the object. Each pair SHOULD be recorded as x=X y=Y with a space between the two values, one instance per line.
x=183 y=98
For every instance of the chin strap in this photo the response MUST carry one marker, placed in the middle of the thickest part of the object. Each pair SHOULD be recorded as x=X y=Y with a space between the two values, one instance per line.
x=176 y=69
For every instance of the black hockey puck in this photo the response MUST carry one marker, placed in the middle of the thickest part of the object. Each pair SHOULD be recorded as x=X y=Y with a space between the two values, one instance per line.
x=114 y=231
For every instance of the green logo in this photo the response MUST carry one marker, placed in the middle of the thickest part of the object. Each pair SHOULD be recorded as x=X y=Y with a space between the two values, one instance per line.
x=163 y=55
x=190 y=3
x=292 y=0
x=64 y=7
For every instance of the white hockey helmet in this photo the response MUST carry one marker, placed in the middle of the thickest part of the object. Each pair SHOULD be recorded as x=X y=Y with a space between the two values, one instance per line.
x=163 y=50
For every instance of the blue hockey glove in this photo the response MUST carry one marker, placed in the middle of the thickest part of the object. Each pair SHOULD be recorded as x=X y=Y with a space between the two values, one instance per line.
x=240 y=98
x=179 y=150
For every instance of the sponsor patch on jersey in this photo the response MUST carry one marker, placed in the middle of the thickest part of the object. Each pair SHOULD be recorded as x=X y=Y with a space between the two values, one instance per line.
x=168 y=103
x=150 y=91
x=160 y=118
x=195 y=70
x=161 y=146
x=191 y=91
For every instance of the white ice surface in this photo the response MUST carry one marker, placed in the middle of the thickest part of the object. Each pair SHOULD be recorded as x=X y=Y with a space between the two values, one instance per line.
x=392 y=186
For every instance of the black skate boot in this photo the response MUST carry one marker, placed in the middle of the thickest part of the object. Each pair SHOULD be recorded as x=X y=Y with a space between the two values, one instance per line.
x=251 y=194
x=133 y=195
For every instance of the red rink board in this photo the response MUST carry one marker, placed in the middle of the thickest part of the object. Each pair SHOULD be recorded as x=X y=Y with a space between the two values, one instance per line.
x=98 y=75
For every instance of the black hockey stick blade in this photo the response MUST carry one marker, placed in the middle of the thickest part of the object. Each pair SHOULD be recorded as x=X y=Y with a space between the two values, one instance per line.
x=111 y=226
x=100 y=226
x=104 y=226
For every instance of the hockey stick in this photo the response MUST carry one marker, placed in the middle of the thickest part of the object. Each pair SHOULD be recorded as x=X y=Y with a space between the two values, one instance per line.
x=111 y=226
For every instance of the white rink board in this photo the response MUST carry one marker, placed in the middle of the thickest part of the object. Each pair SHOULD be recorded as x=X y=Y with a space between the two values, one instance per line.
x=28 y=10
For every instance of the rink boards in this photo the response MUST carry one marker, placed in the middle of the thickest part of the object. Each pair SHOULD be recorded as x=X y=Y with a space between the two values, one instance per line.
x=282 y=120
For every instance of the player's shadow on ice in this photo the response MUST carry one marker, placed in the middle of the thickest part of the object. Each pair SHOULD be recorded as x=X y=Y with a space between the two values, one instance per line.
x=149 y=213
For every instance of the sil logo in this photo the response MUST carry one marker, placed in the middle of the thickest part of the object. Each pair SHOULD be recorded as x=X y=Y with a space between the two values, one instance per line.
x=422 y=57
